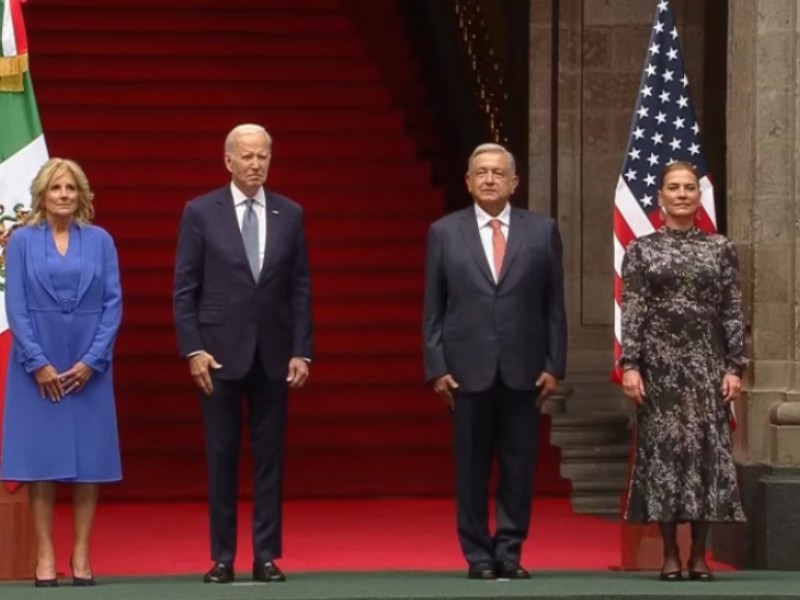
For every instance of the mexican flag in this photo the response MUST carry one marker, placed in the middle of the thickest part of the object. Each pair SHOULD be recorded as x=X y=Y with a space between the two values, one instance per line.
x=22 y=147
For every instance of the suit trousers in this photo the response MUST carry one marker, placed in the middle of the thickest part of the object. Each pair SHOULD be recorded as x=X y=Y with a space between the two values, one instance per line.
x=266 y=417
x=505 y=423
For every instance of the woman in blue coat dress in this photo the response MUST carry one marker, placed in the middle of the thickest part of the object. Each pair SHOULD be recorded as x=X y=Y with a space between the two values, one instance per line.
x=64 y=307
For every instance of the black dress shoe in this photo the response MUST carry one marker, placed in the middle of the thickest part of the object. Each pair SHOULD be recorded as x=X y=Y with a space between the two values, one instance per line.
x=219 y=573
x=481 y=570
x=511 y=569
x=670 y=576
x=267 y=572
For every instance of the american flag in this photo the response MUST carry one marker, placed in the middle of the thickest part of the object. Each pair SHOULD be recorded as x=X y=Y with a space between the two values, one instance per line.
x=663 y=130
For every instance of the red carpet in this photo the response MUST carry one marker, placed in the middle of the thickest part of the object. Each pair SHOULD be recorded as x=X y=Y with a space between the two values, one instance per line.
x=171 y=538
x=352 y=535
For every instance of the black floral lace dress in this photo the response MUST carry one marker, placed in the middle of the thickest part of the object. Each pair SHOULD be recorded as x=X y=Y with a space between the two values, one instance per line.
x=683 y=329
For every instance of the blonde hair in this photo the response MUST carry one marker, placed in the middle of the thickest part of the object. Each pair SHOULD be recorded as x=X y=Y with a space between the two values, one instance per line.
x=53 y=167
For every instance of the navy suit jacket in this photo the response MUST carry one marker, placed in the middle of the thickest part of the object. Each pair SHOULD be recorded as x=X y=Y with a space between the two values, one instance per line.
x=218 y=305
x=473 y=327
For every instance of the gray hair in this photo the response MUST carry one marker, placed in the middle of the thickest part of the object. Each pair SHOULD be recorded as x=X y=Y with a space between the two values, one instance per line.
x=245 y=128
x=495 y=148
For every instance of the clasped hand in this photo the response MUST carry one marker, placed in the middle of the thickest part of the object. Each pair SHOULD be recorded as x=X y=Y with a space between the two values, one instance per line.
x=56 y=385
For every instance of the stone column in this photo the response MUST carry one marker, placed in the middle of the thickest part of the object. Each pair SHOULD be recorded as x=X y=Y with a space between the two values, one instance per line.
x=763 y=211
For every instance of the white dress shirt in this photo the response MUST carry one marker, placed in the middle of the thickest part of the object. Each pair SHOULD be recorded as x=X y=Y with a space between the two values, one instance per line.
x=260 y=206
x=485 y=231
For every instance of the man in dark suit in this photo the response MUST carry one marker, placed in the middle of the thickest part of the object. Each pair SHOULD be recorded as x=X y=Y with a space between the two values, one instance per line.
x=242 y=303
x=495 y=348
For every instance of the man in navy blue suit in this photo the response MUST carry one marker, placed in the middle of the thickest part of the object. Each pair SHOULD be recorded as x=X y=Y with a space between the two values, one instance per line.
x=242 y=304
x=495 y=340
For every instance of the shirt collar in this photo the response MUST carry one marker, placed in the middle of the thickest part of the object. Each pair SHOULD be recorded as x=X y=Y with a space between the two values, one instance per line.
x=484 y=217
x=239 y=197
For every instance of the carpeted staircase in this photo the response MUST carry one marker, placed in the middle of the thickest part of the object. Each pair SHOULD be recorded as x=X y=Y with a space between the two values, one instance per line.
x=142 y=94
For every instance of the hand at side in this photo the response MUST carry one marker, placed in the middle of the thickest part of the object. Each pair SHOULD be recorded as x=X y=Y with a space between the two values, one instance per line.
x=200 y=366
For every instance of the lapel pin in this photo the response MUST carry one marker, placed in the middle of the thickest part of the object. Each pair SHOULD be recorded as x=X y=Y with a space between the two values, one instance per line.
x=274 y=212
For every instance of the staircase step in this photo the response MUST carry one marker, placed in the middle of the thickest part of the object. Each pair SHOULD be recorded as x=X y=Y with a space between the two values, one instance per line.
x=404 y=472
x=336 y=369
x=230 y=5
x=318 y=203
x=209 y=173
x=150 y=254
x=328 y=341
x=368 y=230
x=368 y=433
x=347 y=283
x=335 y=312
x=161 y=120
x=193 y=145
x=66 y=44
x=352 y=399
x=167 y=21
x=222 y=71
x=282 y=122
x=259 y=97
x=594 y=454
x=591 y=429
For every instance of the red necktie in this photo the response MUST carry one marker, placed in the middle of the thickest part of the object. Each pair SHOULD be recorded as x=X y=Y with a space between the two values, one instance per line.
x=498 y=247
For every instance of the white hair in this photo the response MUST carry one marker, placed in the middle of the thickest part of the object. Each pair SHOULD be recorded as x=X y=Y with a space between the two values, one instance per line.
x=494 y=148
x=243 y=129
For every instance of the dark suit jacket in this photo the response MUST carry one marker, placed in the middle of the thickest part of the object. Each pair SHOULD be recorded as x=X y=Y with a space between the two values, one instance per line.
x=218 y=306
x=474 y=328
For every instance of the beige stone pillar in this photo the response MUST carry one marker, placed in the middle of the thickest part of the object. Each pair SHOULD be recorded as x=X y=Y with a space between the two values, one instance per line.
x=763 y=211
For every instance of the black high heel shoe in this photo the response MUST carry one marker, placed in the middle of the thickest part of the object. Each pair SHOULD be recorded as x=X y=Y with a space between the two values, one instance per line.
x=671 y=576
x=44 y=583
x=80 y=581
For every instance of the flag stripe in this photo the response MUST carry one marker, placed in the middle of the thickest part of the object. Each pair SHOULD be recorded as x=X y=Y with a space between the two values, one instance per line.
x=619 y=254
x=631 y=211
x=622 y=233
x=708 y=202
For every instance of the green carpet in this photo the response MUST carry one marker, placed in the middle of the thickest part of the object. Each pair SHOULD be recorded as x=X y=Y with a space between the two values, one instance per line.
x=545 y=585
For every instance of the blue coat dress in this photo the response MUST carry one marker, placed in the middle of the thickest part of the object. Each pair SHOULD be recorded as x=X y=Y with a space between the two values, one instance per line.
x=61 y=313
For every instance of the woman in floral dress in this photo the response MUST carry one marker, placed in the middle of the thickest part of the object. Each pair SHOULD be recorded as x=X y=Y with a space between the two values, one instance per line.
x=682 y=360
